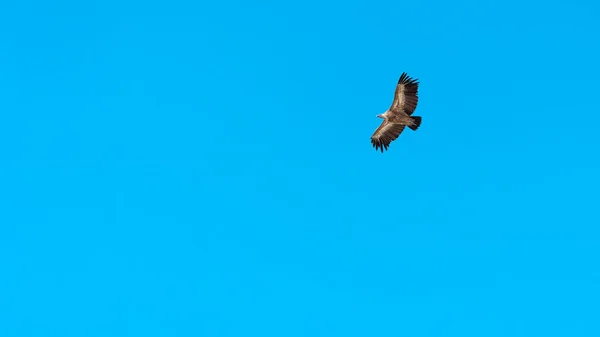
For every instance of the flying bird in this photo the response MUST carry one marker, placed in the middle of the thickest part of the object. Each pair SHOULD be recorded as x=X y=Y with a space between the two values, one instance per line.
x=398 y=116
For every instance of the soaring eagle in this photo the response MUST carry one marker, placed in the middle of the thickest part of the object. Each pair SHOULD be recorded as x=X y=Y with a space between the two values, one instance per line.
x=398 y=116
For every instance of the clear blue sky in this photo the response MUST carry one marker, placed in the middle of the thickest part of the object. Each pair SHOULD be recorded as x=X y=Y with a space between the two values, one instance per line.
x=186 y=169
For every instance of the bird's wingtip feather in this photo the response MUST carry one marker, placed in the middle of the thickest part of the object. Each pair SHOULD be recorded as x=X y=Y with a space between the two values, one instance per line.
x=405 y=79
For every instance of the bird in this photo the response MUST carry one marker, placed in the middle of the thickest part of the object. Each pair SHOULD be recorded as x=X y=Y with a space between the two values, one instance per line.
x=398 y=116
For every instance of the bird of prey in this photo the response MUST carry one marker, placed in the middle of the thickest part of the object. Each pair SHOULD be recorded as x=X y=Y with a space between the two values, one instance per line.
x=398 y=116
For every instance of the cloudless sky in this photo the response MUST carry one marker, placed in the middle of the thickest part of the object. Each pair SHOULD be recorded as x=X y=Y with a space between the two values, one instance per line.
x=203 y=168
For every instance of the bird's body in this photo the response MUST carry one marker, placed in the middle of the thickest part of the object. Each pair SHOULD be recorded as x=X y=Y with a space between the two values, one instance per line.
x=398 y=116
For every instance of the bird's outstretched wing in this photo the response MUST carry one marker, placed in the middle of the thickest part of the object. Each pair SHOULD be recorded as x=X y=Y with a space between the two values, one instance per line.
x=406 y=95
x=385 y=134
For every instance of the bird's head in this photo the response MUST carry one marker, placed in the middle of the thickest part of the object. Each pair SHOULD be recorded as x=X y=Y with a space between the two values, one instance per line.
x=383 y=115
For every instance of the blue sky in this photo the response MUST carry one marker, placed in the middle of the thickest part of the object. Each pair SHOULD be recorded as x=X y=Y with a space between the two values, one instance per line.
x=191 y=169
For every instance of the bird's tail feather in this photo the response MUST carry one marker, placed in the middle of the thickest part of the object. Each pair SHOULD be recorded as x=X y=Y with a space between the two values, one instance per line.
x=416 y=123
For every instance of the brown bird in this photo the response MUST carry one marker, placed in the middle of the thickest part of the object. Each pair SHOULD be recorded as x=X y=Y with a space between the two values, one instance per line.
x=398 y=116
